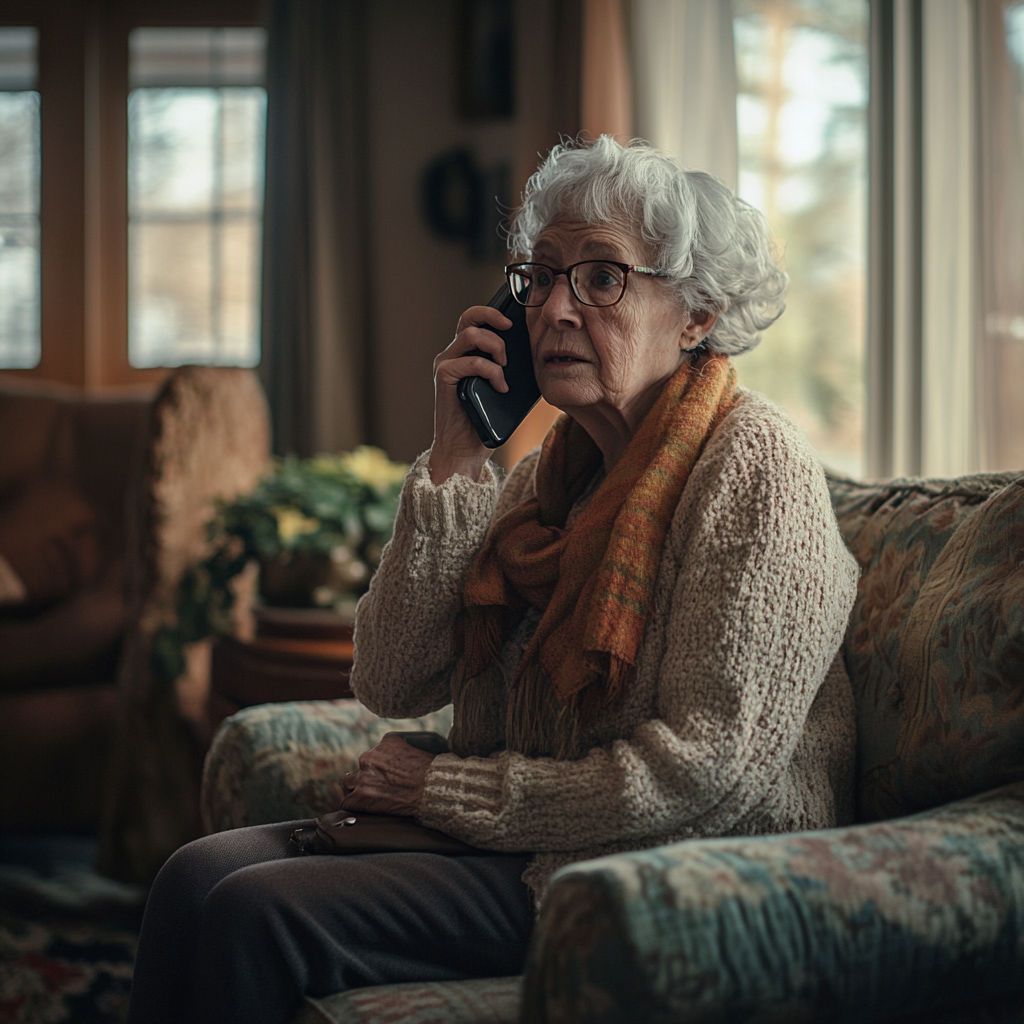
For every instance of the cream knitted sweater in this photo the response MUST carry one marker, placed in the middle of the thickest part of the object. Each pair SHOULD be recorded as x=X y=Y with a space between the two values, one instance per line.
x=740 y=720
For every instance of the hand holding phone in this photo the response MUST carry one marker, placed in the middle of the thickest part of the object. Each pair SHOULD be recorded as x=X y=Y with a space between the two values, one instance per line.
x=495 y=414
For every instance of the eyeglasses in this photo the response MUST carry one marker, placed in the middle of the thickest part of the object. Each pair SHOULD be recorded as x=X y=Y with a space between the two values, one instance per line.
x=593 y=282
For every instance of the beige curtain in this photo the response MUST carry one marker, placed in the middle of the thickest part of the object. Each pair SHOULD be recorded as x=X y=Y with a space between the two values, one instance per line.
x=684 y=71
x=949 y=433
x=606 y=99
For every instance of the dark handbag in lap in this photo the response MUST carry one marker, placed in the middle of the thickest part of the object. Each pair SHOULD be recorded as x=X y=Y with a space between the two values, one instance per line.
x=343 y=832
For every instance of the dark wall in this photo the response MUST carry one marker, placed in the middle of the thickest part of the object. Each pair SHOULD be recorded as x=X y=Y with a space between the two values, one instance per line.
x=420 y=282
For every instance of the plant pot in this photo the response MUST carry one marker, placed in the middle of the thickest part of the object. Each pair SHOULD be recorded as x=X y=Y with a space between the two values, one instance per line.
x=288 y=581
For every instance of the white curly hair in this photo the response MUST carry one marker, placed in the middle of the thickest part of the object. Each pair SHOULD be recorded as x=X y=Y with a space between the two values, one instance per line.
x=716 y=248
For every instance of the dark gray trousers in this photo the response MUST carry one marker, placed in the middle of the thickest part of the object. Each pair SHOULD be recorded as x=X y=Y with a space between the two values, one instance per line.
x=238 y=929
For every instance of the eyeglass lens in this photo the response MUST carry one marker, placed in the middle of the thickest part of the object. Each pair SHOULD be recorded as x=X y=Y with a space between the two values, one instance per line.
x=594 y=283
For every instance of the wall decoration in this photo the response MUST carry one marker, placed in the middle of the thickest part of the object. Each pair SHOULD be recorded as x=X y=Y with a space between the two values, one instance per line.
x=465 y=203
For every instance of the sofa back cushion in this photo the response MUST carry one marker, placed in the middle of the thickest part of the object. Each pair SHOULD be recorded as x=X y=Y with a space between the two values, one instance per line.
x=935 y=643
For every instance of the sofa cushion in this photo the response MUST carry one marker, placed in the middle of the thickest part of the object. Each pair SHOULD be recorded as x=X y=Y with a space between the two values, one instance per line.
x=935 y=643
x=869 y=923
x=480 y=1001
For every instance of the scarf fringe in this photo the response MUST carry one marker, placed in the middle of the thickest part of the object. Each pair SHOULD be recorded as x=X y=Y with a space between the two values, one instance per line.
x=485 y=627
x=539 y=724
x=610 y=676
x=473 y=700
x=532 y=714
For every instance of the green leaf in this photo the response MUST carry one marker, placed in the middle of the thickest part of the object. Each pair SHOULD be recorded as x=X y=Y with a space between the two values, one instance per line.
x=167 y=657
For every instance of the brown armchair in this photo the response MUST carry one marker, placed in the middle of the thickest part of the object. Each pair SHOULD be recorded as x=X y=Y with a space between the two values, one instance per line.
x=87 y=739
x=66 y=462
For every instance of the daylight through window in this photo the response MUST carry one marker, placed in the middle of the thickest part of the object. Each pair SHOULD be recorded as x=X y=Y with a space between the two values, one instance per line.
x=802 y=69
x=196 y=114
x=19 y=200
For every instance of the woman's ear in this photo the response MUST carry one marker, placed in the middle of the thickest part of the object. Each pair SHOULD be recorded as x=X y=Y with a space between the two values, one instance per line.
x=698 y=326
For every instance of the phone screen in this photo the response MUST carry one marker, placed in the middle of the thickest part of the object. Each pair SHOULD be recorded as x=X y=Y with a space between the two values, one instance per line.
x=494 y=414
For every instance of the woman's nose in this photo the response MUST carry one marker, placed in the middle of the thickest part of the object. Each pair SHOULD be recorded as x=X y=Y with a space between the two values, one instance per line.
x=561 y=309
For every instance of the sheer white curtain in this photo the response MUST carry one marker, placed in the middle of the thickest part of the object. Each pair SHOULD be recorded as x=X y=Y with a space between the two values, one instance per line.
x=947 y=269
x=1000 y=29
x=684 y=75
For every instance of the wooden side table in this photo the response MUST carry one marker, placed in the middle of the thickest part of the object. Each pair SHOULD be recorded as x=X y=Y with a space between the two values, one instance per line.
x=298 y=654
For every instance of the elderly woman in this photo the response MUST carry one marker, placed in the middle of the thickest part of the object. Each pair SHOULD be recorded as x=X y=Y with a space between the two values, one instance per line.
x=638 y=630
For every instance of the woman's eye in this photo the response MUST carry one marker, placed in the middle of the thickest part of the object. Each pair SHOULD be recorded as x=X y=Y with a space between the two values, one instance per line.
x=542 y=278
x=604 y=277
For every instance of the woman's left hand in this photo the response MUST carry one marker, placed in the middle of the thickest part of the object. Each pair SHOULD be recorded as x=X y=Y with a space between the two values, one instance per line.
x=390 y=779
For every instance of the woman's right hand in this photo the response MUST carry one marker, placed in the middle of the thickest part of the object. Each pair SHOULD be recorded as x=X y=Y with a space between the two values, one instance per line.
x=457 y=447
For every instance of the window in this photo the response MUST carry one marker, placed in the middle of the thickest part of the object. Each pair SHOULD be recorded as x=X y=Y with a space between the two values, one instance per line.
x=19 y=200
x=196 y=117
x=1015 y=41
x=802 y=68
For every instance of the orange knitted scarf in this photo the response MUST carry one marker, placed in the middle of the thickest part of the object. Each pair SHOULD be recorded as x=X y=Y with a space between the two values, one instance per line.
x=594 y=583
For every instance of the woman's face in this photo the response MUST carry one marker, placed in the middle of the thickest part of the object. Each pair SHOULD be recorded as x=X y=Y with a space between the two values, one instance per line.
x=607 y=362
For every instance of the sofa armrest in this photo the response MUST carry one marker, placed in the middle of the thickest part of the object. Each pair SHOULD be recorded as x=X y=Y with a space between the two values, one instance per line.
x=866 y=923
x=278 y=762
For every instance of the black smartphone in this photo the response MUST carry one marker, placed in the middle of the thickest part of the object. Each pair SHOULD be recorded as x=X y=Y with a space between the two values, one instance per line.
x=496 y=414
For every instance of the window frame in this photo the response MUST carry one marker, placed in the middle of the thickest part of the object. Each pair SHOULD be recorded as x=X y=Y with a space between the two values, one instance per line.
x=83 y=88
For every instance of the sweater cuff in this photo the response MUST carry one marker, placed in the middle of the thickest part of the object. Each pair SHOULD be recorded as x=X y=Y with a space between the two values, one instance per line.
x=458 y=506
x=463 y=796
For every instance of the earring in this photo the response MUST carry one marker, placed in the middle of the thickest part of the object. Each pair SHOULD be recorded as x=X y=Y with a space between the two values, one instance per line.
x=698 y=351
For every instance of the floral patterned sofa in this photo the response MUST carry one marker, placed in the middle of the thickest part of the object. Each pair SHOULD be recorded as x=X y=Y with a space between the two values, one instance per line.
x=914 y=914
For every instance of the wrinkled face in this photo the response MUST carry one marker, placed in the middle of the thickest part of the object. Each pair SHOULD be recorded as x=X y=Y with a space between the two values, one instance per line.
x=610 y=359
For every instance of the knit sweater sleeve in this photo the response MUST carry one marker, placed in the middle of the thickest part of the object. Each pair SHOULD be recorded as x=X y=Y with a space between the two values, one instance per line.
x=404 y=635
x=761 y=594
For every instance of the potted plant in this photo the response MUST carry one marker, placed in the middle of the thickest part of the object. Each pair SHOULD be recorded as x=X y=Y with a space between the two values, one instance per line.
x=316 y=529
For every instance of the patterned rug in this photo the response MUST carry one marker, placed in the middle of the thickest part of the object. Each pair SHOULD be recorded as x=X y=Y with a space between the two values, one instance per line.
x=67 y=935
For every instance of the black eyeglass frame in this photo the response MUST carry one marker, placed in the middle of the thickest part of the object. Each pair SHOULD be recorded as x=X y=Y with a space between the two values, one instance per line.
x=626 y=268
